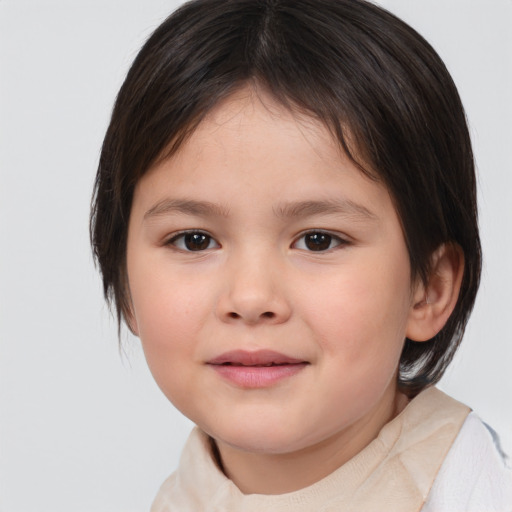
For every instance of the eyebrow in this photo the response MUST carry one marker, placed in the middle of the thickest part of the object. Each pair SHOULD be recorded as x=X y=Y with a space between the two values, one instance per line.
x=326 y=207
x=298 y=209
x=187 y=207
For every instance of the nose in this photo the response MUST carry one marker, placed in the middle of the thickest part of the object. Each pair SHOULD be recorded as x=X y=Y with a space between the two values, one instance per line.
x=253 y=293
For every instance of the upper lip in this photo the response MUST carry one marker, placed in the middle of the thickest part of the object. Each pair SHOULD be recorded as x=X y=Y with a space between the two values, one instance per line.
x=254 y=358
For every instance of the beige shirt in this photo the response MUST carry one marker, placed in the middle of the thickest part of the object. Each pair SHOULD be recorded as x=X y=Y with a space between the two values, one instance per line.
x=394 y=473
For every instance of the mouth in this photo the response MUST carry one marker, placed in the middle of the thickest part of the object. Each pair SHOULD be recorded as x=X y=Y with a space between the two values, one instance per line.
x=263 y=358
x=260 y=369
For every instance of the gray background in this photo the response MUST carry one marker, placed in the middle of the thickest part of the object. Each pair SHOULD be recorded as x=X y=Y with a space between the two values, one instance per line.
x=83 y=427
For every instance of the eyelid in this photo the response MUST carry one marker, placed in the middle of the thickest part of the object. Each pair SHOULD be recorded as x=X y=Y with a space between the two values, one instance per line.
x=170 y=240
x=341 y=240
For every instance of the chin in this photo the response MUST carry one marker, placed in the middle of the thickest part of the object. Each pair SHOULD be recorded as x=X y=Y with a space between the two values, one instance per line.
x=262 y=445
x=256 y=437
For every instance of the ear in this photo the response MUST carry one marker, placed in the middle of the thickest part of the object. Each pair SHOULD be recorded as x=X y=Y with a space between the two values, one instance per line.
x=128 y=311
x=434 y=301
x=131 y=321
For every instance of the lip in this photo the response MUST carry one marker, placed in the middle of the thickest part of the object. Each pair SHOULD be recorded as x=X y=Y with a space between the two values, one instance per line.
x=259 y=369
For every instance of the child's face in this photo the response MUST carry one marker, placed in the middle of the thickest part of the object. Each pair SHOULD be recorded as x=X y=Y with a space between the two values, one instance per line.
x=259 y=237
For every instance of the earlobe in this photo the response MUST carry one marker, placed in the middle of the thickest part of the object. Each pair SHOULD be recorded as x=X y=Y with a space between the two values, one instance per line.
x=127 y=308
x=129 y=315
x=434 y=301
x=131 y=322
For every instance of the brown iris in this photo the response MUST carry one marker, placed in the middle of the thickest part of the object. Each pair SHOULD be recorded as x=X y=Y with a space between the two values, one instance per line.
x=317 y=241
x=196 y=241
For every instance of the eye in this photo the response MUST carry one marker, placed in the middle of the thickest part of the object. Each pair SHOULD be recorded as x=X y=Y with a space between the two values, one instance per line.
x=193 y=241
x=318 y=241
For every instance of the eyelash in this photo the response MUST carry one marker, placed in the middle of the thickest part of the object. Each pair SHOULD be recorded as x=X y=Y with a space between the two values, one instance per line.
x=322 y=239
x=182 y=237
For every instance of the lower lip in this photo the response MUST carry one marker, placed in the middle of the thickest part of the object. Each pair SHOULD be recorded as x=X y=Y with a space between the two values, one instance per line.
x=252 y=377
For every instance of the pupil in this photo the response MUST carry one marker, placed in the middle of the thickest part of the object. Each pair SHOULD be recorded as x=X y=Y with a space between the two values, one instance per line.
x=318 y=241
x=197 y=241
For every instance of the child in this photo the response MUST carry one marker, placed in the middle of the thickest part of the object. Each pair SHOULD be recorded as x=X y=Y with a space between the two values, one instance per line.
x=285 y=214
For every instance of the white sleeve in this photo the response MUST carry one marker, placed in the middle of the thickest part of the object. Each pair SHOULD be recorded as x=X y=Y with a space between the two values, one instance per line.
x=474 y=476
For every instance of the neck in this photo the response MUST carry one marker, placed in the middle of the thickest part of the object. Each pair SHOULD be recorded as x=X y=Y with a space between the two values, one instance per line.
x=264 y=473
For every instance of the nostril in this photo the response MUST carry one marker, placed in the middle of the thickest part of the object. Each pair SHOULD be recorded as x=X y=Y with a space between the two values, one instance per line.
x=267 y=314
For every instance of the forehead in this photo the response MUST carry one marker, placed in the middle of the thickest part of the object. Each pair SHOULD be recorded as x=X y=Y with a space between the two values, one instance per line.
x=251 y=118
x=249 y=145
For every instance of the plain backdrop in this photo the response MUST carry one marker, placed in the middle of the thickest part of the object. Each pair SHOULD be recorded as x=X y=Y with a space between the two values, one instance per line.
x=82 y=426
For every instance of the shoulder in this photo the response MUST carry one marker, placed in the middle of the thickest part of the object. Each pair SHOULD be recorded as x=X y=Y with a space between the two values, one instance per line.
x=474 y=476
x=161 y=502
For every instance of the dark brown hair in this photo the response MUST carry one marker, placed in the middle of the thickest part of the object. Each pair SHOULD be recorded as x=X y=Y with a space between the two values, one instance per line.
x=354 y=66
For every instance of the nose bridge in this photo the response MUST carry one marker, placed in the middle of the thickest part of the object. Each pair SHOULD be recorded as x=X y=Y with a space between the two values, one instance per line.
x=254 y=289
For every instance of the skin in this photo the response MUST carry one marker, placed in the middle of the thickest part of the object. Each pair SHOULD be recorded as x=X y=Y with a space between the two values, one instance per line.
x=260 y=177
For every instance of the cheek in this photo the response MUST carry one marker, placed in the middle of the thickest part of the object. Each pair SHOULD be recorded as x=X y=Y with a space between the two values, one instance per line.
x=168 y=332
x=168 y=316
x=362 y=317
